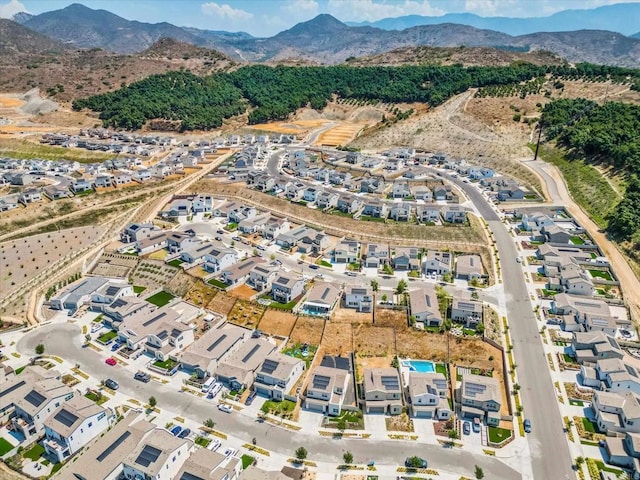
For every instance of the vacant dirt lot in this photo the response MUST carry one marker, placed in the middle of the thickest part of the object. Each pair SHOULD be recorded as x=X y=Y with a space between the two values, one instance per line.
x=222 y=303
x=277 y=323
x=113 y=264
x=181 y=283
x=246 y=314
x=339 y=135
x=373 y=340
x=349 y=315
x=386 y=317
x=337 y=339
x=243 y=292
x=307 y=329
x=201 y=294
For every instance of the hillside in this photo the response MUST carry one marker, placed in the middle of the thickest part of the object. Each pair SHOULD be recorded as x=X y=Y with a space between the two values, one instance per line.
x=467 y=56
x=16 y=39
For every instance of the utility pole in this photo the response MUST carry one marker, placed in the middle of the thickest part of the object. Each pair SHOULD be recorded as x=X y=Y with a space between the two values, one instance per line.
x=535 y=156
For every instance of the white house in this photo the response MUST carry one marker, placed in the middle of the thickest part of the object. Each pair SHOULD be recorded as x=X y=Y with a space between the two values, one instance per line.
x=427 y=392
x=156 y=457
x=321 y=298
x=277 y=375
x=287 y=287
x=359 y=297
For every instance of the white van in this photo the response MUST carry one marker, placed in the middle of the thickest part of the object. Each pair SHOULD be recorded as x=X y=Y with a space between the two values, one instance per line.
x=208 y=384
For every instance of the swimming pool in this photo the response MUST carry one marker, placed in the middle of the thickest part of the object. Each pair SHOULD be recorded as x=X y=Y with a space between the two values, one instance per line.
x=419 y=365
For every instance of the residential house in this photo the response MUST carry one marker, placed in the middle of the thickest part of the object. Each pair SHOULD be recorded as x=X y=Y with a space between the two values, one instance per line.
x=424 y=306
x=625 y=452
x=123 y=308
x=438 y=262
x=556 y=234
x=30 y=195
x=73 y=425
x=135 y=232
x=205 y=354
x=510 y=192
x=277 y=375
x=56 y=192
x=349 y=204
x=481 y=397
x=535 y=221
x=423 y=193
x=427 y=393
x=196 y=253
x=454 y=214
x=468 y=312
x=400 y=189
x=155 y=457
x=346 y=251
x=294 y=191
x=377 y=255
x=275 y=226
x=261 y=276
x=286 y=287
x=429 y=213
x=589 y=347
x=375 y=209
x=81 y=185
x=615 y=375
x=237 y=370
x=241 y=213
x=179 y=241
x=204 y=464
x=353 y=158
x=372 y=185
x=238 y=273
x=576 y=281
x=9 y=202
x=330 y=386
x=310 y=193
x=406 y=258
x=217 y=258
x=616 y=412
x=122 y=178
x=382 y=391
x=440 y=192
x=306 y=239
x=110 y=292
x=400 y=212
x=179 y=206
x=327 y=199
x=468 y=267
x=77 y=294
x=253 y=225
x=142 y=175
x=359 y=297
x=14 y=387
x=156 y=241
x=265 y=183
x=321 y=298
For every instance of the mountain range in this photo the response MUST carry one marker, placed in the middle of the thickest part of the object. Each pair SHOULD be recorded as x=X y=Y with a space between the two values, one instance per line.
x=323 y=39
x=614 y=18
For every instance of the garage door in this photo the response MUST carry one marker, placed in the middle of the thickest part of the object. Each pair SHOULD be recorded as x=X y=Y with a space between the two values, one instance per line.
x=314 y=407
x=423 y=414
x=375 y=410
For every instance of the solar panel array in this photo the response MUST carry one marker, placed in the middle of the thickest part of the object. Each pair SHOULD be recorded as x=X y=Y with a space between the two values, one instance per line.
x=162 y=335
x=118 y=303
x=250 y=354
x=107 y=451
x=112 y=290
x=148 y=455
x=65 y=417
x=154 y=319
x=321 y=382
x=269 y=366
x=217 y=342
x=390 y=382
x=12 y=388
x=341 y=363
x=35 y=398
x=190 y=476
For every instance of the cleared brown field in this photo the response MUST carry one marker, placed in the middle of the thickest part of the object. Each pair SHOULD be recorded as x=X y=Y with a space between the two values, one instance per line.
x=340 y=135
x=307 y=330
x=246 y=314
x=349 y=315
x=222 y=303
x=243 y=292
x=10 y=102
x=201 y=294
x=386 y=317
x=337 y=339
x=373 y=340
x=277 y=323
x=297 y=127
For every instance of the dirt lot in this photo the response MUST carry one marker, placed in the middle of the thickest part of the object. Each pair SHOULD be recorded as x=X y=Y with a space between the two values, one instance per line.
x=222 y=303
x=246 y=314
x=349 y=315
x=243 y=292
x=276 y=322
x=307 y=329
x=181 y=283
x=373 y=340
x=340 y=135
x=337 y=339
x=386 y=317
x=201 y=294
x=113 y=264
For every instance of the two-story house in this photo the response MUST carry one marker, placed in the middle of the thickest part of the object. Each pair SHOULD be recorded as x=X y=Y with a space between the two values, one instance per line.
x=406 y=258
x=400 y=189
x=400 y=211
x=454 y=214
x=589 y=347
x=261 y=276
x=468 y=267
x=217 y=258
x=375 y=209
x=377 y=255
x=237 y=370
x=480 y=397
x=427 y=213
x=205 y=354
x=321 y=298
x=359 y=297
x=325 y=200
x=346 y=251
x=286 y=287
x=277 y=375
x=159 y=457
x=134 y=232
x=616 y=412
x=424 y=307
x=382 y=391
x=427 y=393
x=275 y=226
x=329 y=386
x=238 y=273
x=437 y=262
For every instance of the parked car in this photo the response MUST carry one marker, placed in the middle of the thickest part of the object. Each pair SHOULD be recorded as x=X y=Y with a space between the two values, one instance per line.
x=214 y=445
x=220 y=232
x=466 y=428
x=518 y=260
x=415 y=462
x=260 y=247
x=111 y=361
x=476 y=425
x=313 y=267
x=236 y=239
x=175 y=431
x=225 y=408
x=142 y=377
x=184 y=433
x=527 y=425
x=112 y=384
x=219 y=239
x=115 y=346
x=250 y=398
x=351 y=274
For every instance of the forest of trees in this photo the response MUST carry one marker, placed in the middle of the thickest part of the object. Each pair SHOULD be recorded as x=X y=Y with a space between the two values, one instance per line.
x=272 y=93
x=607 y=134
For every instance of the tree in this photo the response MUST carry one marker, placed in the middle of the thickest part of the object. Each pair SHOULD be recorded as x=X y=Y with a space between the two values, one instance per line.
x=401 y=287
x=479 y=473
x=40 y=349
x=255 y=252
x=384 y=297
x=152 y=402
x=301 y=453
x=347 y=457
x=272 y=257
x=579 y=461
x=414 y=462
x=303 y=257
x=387 y=269
x=209 y=423
x=453 y=434
x=375 y=285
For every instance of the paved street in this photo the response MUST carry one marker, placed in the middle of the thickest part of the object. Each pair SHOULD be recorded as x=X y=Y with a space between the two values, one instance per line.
x=548 y=443
x=65 y=340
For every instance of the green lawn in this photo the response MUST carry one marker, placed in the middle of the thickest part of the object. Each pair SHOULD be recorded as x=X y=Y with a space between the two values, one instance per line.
x=56 y=467
x=576 y=403
x=246 y=460
x=294 y=351
x=105 y=337
x=577 y=240
x=549 y=293
x=203 y=442
x=4 y=446
x=165 y=364
x=137 y=289
x=607 y=468
x=589 y=426
x=93 y=396
x=34 y=453
x=368 y=218
x=160 y=299
x=278 y=408
x=601 y=274
x=442 y=368
x=98 y=319
x=176 y=262
x=568 y=359
x=324 y=263
x=231 y=227
x=217 y=283
x=498 y=435
x=283 y=306
x=19 y=370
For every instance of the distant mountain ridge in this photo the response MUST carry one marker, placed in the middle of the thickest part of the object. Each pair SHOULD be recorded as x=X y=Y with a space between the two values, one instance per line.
x=16 y=39
x=324 y=39
x=614 y=18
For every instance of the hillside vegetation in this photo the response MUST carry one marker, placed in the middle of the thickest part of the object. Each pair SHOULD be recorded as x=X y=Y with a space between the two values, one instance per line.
x=275 y=93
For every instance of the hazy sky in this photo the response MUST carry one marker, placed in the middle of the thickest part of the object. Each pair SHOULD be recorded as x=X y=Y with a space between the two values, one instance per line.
x=267 y=17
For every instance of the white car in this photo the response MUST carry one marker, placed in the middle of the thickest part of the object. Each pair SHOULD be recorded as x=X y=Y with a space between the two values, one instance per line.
x=225 y=408
x=214 y=445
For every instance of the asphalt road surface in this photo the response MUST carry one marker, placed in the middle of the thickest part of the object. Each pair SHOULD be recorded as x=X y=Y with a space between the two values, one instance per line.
x=65 y=340
x=550 y=454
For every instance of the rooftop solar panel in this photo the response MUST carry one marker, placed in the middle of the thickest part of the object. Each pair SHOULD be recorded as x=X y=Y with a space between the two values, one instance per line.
x=269 y=366
x=113 y=446
x=154 y=319
x=12 y=388
x=162 y=335
x=112 y=290
x=250 y=354
x=190 y=476
x=65 y=417
x=35 y=398
x=217 y=342
x=148 y=455
x=320 y=381
x=118 y=303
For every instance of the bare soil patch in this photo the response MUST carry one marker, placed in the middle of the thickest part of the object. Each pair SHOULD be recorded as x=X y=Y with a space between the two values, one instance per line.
x=399 y=423
x=337 y=339
x=278 y=323
x=307 y=329
x=246 y=314
x=180 y=283
x=222 y=303
x=386 y=317
x=349 y=315
x=201 y=294
x=244 y=292
x=112 y=264
x=374 y=341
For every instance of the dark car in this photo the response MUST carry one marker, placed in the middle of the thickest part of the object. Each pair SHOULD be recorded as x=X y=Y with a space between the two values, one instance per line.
x=184 y=433
x=527 y=425
x=142 y=376
x=466 y=428
x=313 y=267
x=112 y=384
x=218 y=239
x=175 y=431
x=415 y=462
x=250 y=398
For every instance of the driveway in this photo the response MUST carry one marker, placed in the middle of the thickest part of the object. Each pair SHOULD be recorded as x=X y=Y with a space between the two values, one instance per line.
x=65 y=340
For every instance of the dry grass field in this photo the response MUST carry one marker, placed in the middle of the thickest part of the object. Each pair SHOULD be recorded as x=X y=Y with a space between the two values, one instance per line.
x=297 y=127
x=307 y=329
x=339 y=135
x=373 y=341
x=180 y=283
x=222 y=303
x=337 y=339
x=278 y=323
x=386 y=317
x=349 y=315
x=246 y=314
x=201 y=294
x=112 y=264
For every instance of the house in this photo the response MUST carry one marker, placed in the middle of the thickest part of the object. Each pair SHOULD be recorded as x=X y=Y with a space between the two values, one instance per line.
x=122 y=178
x=14 y=387
x=9 y=202
x=576 y=281
x=400 y=189
x=424 y=306
x=241 y=213
x=103 y=181
x=353 y=158
x=153 y=243
x=306 y=239
x=589 y=347
x=81 y=185
x=427 y=393
x=294 y=191
x=179 y=241
x=237 y=370
x=440 y=192
x=372 y=185
x=556 y=234
x=77 y=294
x=30 y=195
x=217 y=258
x=468 y=312
x=382 y=391
x=454 y=214
x=124 y=307
x=565 y=304
x=423 y=193
x=406 y=258
x=349 y=204
x=321 y=298
x=429 y=213
x=400 y=212
x=265 y=183
x=73 y=425
x=249 y=226
x=359 y=297
x=549 y=253
x=286 y=287
x=481 y=397
x=195 y=254
x=155 y=456
x=142 y=175
x=375 y=209
x=534 y=221
x=135 y=232
x=616 y=412
x=204 y=464
x=56 y=192
x=346 y=251
x=330 y=386
x=327 y=199
x=468 y=267
x=510 y=192
x=277 y=375
x=310 y=193
x=377 y=255
x=614 y=375
x=239 y=272
x=110 y=292
x=205 y=354
x=179 y=206
x=437 y=262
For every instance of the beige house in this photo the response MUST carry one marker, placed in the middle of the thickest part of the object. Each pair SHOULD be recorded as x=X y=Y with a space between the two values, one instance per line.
x=480 y=397
x=427 y=392
x=382 y=391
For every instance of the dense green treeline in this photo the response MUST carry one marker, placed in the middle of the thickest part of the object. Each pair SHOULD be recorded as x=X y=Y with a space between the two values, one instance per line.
x=608 y=134
x=272 y=93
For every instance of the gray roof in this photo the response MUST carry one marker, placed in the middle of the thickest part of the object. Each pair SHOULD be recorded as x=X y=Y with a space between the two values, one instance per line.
x=323 y=292
x=212 y=346
x=468 y=265
x=425 y=300
x=246 y=359
x=278 y=366
x=154 y=451
x=87 y=286
x=70 y=415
